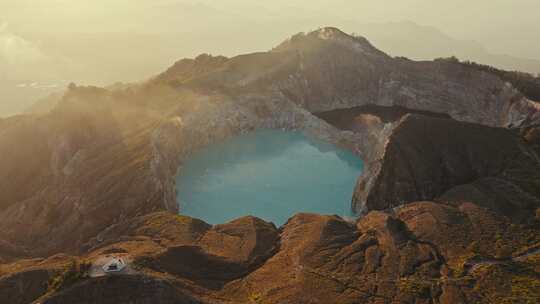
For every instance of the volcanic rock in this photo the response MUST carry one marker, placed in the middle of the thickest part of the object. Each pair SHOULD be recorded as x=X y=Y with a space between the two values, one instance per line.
x=427 y=158
x=449 y=196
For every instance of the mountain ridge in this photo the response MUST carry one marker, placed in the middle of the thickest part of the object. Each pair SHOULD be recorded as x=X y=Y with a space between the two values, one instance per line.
x=75 y=62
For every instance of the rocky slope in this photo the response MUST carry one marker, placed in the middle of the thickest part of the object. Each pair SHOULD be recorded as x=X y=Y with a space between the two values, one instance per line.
x=429 y=158
x=450 y=198
x=426 y=252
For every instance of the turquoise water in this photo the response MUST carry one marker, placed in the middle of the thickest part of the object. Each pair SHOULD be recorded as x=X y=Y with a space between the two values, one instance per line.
x=269 y=174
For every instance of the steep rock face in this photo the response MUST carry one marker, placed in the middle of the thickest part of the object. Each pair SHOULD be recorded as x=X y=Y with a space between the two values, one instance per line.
x=374 y=124
x=427 y=157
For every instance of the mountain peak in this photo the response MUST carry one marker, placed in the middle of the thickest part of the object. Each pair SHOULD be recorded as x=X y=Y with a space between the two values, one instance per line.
x=328 y=33
x=325 y=35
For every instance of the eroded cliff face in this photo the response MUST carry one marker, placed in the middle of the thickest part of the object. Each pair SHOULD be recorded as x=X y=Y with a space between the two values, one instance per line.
x=450 y=202
x=428 y=158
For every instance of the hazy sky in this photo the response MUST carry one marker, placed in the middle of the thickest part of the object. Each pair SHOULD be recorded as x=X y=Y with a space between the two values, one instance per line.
x=503 y=26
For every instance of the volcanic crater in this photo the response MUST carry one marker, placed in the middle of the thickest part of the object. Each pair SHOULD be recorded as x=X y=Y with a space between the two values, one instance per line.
x=449 y=196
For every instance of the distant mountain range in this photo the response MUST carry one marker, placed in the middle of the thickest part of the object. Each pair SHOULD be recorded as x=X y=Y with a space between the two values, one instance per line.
x=424 y=43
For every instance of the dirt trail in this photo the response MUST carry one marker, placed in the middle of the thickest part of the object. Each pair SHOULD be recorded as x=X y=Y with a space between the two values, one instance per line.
x=473 y=265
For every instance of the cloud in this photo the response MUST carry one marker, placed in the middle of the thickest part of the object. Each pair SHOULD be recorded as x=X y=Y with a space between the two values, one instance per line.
x=19 y=57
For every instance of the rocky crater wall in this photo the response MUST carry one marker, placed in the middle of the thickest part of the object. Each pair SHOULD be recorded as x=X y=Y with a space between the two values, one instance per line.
x=185 y=133
x=426 y=158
